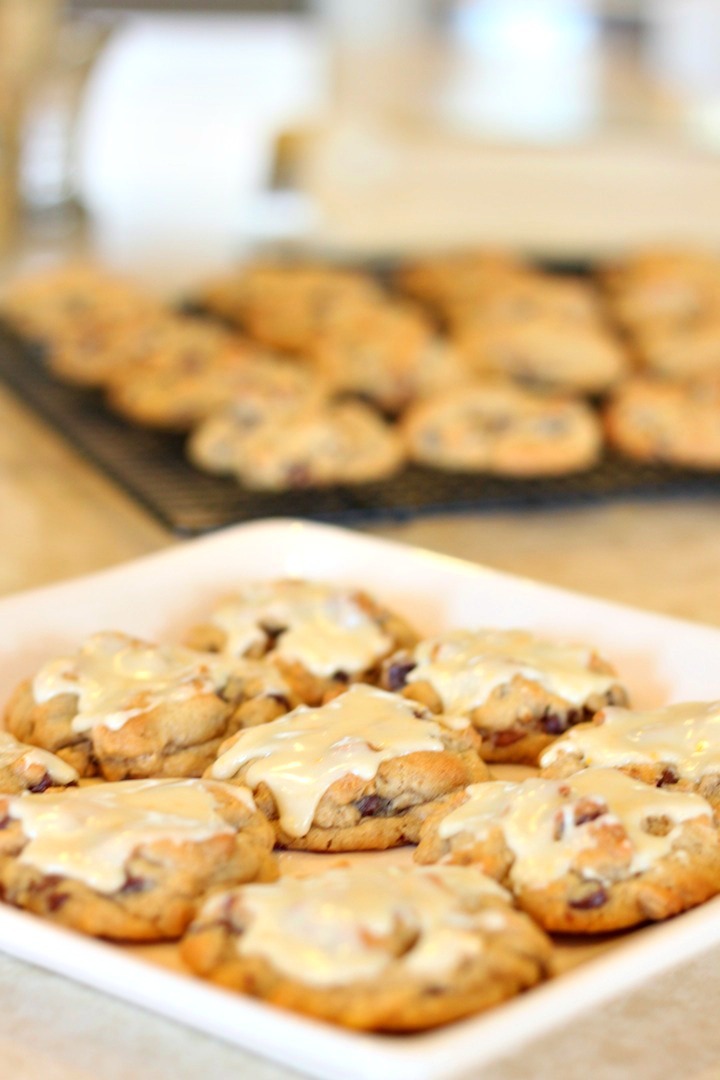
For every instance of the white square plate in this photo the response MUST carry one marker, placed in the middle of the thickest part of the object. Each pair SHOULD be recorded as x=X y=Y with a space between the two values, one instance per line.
x=661 y=659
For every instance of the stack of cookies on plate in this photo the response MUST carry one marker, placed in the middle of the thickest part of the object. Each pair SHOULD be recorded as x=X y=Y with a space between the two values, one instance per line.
x=144 y=788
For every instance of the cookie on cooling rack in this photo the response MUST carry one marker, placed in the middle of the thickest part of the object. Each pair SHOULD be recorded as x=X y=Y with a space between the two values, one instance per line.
x=336 y=443
x=369 y=948
x=125 y=708
x=671 y=423
x=676 y=747
x=387 y=353
x=683 y=349
x=28 y=768
x=662 y=286
x=547 y=351
x=130 y=861
x=321 y=637
x=283 y=306
x=500 y=428
x=444 y=280
x=527 y=295
x=179 y=387
x=596 y=852
x=358 y=774
x=72 y=299
x=519 y=691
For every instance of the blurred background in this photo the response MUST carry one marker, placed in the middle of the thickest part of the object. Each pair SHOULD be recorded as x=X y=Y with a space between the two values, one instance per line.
x=172 y=137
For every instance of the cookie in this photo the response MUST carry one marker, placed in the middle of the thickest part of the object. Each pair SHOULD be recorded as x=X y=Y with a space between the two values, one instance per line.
x=374 y=949
x=670 y=423
x=527 y=295
x=662 y=286
x=519 y=691
x=130 y=861
x=125 y=708
x=342 y=443
x=593 y=853
x=76 y=298
x=272 y=393
x=677 y=747
x=178 y=388
x=358 y=774
x=97 y=354
x=284 y=306
x=500 y=428
x=388 y=354
x=444 y=280
x=685 y=349
x=321 y=637
x=27 y=768
x=544 y=351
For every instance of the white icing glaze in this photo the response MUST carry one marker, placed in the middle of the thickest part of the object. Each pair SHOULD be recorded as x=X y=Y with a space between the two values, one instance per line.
x=529 y=814
x=89 y=833
x=326 y=630
x=300 y=755
x=116 y=677
x=465 y=666
x=12 y=752
x=686 y=736
x=338 y=928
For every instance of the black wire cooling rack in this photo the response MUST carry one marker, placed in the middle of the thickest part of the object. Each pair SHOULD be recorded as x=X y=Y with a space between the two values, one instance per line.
x=152 y=468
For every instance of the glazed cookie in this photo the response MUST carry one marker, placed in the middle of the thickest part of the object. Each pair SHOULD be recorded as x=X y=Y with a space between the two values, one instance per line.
x=358 y=774
x=386 y=353
x=284 y=306
x=27 y=768
x=389 y=950
x=678 y=747
x=320 y=636
x=179 y=388
x=544 y=351
x=124 y=708
x=130 y=861
x=519 y=691
x=499 y=428
x=673 y=423
x=596 y=852
x=73 y=298
x=344 y=443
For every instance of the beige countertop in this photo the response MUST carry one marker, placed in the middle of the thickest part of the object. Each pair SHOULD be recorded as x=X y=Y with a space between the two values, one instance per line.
x=61 y=518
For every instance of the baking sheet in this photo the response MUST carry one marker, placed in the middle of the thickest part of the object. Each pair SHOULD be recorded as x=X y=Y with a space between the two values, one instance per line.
x=661 y=660
x=151 y=467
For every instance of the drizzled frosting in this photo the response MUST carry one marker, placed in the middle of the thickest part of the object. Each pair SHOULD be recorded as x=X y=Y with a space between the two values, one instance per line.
x=116 y=677
x=686 y=736
x=13 y=752
x=300 y=755
x=465 y=666
x=340 y=927
x=324 y=628
x=89 y=833
x=537 y=820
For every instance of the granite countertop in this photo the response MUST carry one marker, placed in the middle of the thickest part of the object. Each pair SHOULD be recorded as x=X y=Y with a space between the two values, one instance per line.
x=61 y=518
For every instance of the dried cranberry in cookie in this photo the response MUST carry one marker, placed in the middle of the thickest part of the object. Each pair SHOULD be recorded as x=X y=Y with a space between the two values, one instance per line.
x=678 y=746
x=130 y=860
x=27 y=768
x=598 y=851
x=123 y=707
x=322 y=637
x=376 y=949
x=359 y=773
x=518 y=690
